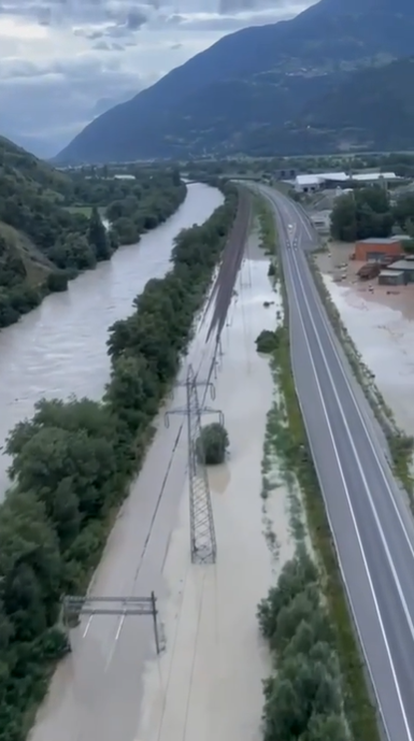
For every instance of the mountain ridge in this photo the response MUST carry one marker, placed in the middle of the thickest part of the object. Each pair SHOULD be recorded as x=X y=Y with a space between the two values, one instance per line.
x=328 y=40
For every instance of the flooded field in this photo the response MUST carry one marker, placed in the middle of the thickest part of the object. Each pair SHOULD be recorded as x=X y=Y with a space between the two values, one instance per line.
x=208 y=680
x=208 y=683
x=384 y=336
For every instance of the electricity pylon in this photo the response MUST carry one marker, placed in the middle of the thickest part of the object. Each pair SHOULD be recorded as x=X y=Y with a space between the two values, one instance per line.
x=202 y=532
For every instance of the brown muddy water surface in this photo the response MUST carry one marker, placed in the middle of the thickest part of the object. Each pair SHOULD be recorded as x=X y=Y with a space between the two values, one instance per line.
x=207 y=682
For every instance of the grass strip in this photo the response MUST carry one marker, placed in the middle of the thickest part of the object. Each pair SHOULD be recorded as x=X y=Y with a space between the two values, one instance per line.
x=360 y=710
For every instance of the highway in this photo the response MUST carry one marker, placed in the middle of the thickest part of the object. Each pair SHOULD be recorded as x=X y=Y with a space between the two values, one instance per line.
x=372 y=530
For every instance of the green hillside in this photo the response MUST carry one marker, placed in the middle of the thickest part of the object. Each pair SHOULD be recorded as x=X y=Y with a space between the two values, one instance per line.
x=50 y=225
x=371 y=110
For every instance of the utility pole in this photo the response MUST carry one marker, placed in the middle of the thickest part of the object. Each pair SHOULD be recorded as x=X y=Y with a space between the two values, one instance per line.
x=202 y=532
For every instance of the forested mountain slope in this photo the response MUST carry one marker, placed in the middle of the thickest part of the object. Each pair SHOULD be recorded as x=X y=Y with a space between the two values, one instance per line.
x=256 y=79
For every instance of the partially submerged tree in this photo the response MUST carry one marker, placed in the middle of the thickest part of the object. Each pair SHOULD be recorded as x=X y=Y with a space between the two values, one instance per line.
x=212 y=444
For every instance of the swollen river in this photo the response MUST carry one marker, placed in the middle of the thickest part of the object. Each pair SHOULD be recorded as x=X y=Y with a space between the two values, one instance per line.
x=60 y=348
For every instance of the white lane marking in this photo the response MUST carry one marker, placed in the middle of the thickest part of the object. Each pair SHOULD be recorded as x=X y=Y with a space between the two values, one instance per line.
x=358 y=460
x=344 y=483
x=88 y=625
x=114 y=644
x=366 y=431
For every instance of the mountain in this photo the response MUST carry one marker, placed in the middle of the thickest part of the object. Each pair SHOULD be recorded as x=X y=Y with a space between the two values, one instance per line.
x=248 y=81
x=371 y=110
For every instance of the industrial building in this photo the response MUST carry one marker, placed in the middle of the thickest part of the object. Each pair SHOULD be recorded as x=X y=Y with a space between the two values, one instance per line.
x=322 y=180
x=390 y=277
x=378 y=250
x=406 y=267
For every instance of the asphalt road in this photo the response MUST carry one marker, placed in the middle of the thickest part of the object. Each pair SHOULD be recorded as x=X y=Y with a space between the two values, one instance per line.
x=372 y=532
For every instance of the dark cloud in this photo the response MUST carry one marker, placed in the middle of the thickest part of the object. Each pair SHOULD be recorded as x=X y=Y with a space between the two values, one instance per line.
x=135 y=19
x=103 y=45
x=43 y=105
x=234 y=6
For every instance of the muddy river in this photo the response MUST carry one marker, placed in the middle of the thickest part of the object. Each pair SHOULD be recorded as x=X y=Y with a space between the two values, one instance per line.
x=60 y=348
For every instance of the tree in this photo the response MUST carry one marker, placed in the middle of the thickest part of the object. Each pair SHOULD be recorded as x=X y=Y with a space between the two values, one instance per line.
x=403 y=210
x=30 y=561
x=296 y=575
x=133 y=390
x=343 y=219
x=97 y=236
x=324 y=727
x=267 y=341
x=212 y=444
x=364 y=213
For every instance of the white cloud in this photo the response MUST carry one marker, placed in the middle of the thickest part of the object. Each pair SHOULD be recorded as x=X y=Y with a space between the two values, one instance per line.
x=62 y=62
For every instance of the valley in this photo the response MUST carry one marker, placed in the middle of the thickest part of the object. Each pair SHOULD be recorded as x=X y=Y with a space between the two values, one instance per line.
x=206 y=432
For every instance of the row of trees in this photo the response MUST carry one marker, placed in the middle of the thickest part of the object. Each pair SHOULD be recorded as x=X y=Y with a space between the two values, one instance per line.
x=303 y=698
x=71 y=464
x=368 y=212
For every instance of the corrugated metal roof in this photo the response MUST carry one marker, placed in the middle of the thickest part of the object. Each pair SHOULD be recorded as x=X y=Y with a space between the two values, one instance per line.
x=391 y=273
x=379 y=240
x=319 y=177
x=402 y=265
x=308 y=179
x=342 y=176
x=372 y=176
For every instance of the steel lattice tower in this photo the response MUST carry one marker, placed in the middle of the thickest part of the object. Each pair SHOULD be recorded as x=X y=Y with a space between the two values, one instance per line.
x=202 y=531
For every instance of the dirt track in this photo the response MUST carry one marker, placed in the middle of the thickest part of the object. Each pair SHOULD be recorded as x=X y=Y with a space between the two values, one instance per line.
x=230 y=264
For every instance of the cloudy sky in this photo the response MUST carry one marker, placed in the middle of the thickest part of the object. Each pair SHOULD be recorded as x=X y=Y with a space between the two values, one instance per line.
x=62 y=62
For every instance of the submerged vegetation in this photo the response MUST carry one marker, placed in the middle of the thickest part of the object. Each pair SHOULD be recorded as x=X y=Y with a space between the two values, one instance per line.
x=71 y=465
x=212 y=444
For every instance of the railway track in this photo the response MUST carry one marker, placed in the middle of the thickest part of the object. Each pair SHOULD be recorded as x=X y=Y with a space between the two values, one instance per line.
x=230 y=264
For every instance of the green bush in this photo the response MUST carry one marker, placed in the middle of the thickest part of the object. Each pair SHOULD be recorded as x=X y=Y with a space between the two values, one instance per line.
x=212 y=444
x=304 y=698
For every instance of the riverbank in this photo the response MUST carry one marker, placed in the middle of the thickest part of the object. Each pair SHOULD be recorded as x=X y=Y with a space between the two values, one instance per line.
x=59 y=349
x=44 y=243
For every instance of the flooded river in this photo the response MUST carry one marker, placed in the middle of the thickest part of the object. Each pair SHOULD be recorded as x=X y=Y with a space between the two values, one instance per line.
x=60 y=348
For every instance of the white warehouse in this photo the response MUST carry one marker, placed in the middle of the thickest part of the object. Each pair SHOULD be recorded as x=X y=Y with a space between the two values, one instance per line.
x=321 y=180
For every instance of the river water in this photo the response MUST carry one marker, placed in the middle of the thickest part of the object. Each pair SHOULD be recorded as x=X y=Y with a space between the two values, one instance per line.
x=59 y=349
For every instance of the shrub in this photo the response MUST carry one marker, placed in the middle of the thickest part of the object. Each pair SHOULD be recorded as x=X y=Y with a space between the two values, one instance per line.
x=212 y=444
